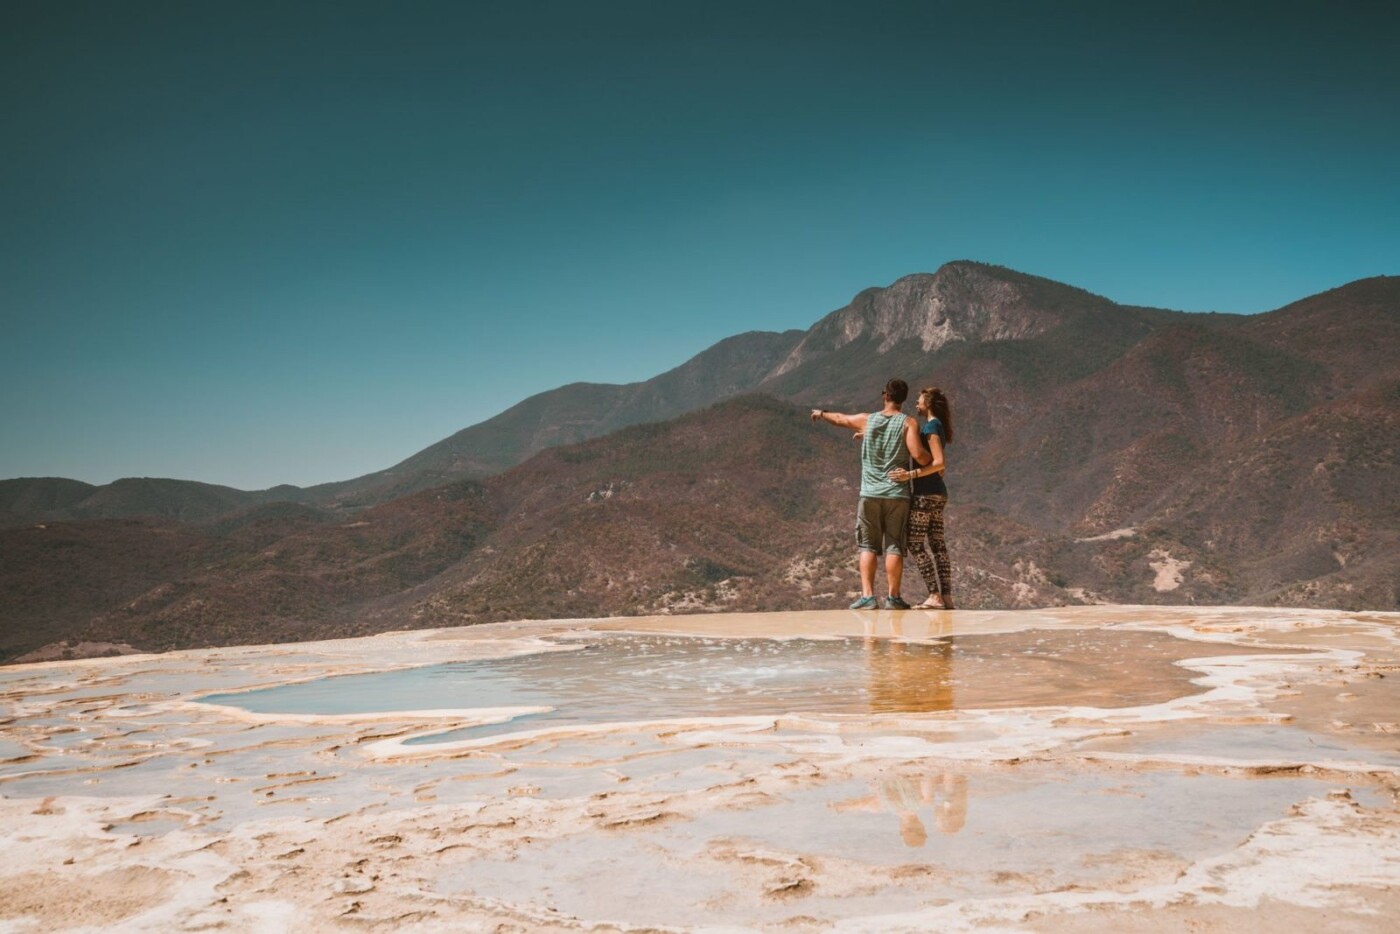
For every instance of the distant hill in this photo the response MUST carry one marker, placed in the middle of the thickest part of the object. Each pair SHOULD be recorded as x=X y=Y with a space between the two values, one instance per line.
x=561 y=416
x=573 y=413
x=28 y=500
x=1104 y=453
x=276 y=572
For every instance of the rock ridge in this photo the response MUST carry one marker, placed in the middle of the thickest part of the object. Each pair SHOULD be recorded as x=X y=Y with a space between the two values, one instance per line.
x=962 y=301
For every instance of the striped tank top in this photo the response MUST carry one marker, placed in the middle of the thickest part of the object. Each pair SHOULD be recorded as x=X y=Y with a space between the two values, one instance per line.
x=882 y=450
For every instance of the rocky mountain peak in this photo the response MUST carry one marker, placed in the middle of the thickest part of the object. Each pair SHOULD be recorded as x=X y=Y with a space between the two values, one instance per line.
x=962 y=301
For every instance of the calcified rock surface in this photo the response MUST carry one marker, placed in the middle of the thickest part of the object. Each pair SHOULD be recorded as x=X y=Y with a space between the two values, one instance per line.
x=1087 y=769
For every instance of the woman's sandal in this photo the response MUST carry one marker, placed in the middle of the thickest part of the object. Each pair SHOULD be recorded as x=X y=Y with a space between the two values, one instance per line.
x=926 y=605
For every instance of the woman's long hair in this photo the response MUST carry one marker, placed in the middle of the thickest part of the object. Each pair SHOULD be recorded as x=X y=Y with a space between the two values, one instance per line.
x=937 y=403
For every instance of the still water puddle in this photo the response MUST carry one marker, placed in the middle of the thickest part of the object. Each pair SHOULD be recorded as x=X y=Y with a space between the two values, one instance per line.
x=626 y=677
x=894 y=840
x=148 y=826
x=1259 y=742
x=9 y=749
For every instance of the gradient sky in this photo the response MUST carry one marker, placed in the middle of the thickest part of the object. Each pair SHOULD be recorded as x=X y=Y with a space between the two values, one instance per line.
x=255 y=243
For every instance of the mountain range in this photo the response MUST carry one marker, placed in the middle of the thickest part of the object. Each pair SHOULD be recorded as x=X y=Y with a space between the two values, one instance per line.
x=1104 y=453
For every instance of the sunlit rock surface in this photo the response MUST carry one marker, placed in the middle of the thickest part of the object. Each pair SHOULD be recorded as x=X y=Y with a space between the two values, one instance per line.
x=1085 y=769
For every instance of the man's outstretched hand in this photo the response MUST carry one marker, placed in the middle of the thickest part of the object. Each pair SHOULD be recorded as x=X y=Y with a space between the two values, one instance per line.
x=856 y=422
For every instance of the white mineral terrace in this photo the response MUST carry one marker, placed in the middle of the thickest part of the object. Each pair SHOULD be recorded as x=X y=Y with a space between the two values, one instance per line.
x=1086 y=769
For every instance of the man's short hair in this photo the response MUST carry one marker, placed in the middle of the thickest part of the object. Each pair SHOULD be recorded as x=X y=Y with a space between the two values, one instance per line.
x=897 y=390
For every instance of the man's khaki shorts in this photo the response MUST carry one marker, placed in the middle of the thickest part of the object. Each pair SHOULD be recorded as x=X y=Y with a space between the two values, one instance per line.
x=880 y=525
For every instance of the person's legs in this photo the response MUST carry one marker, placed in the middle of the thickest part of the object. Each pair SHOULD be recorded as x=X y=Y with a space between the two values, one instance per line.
x=894 y=572
x=895 y=515
x=920 y=518
x=939 y=548
x=868 y=562
x=868 y=547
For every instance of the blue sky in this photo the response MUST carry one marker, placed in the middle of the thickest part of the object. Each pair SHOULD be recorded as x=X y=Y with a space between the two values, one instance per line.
x=260 y=243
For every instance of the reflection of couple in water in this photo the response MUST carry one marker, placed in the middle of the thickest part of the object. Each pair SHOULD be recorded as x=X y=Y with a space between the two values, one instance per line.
x=912 y=677
x=908 y=677
x=902 y=494
x=943 y=793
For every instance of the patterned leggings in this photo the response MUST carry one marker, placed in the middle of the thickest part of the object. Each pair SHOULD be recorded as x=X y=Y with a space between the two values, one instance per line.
x=927 y=545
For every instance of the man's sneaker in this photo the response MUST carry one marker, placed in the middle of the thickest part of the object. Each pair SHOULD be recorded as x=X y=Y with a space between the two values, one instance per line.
x=896 y=603
x=866 y=603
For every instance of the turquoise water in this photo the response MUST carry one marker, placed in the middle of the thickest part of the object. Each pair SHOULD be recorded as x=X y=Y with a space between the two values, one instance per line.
x=620 y=677
x=625 y=677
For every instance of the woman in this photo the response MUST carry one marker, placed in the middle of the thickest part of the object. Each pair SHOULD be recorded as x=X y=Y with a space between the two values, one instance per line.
x=925 y=528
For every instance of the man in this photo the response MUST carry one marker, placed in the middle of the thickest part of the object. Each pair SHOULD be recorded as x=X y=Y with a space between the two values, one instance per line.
x=888 y=439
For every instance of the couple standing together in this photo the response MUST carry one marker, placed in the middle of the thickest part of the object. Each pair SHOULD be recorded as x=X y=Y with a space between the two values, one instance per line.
x=902 y=494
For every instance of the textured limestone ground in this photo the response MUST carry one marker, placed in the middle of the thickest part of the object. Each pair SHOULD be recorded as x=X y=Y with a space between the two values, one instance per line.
x=1238 y=770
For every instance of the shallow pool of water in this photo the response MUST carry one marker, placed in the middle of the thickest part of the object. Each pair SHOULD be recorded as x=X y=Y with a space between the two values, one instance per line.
x=902 y=839
x=9 y=749
x=624 y=677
